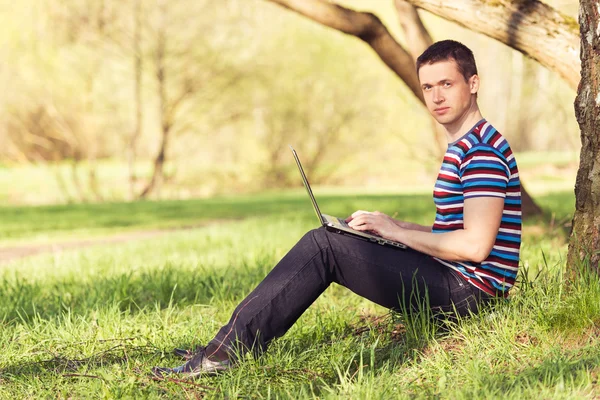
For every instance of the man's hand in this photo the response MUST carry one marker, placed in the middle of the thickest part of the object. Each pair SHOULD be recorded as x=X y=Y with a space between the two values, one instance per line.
x=474 y=242
x=373 y=222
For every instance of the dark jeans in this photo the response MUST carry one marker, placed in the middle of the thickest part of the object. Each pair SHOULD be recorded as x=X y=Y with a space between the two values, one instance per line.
x=382 y=274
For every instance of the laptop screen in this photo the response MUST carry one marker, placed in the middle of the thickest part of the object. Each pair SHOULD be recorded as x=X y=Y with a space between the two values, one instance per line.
x=308 y=189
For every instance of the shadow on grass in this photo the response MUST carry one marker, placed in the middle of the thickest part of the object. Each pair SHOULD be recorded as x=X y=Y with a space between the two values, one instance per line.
x=561 y=368
x=557 y=214
x=63 y=364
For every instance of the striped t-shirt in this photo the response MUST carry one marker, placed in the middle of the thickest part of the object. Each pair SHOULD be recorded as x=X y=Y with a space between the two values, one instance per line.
x=481 y=164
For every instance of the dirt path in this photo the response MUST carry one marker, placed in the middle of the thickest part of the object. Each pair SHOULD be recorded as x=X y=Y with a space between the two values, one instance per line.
x=8 y=254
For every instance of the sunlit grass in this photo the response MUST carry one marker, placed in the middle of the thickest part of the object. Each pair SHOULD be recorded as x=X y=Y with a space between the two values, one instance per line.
x=21 y=224
x=47 y=223
x=91 y=323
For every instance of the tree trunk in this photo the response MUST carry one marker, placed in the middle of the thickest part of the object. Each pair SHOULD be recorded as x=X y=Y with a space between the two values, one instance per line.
x=585 y=235
x=159 y=163
x=529 y=26
x=165 y=115
x=528 y=205
x=137 y=71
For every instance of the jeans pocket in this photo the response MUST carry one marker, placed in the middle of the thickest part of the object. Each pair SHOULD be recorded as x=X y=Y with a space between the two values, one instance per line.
x=455 y=281
x=466 y=299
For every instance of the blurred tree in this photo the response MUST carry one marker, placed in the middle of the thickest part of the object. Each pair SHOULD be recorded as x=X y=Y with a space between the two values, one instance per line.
x=190 y=68
x=49 y=126
x=138 y=68
x=585 y=235
x=83 y=85
x=515 y=19
x=306 y=104
x=107 y=30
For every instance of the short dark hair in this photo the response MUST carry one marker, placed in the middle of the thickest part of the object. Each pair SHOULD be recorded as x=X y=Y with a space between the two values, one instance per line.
x=450 y=50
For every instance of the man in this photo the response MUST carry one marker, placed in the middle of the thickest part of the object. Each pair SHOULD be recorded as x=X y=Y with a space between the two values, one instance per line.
x=468 y=256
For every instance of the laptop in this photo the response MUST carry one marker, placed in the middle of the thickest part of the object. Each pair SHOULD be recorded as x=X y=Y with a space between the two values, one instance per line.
x=339 y=225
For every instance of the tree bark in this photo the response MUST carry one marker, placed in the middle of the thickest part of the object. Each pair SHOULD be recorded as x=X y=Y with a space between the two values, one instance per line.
x=365 y=26
x=584 y=243
x=529 y=26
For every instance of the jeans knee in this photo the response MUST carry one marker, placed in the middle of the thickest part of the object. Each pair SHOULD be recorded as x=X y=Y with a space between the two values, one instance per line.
x=314 y=240
x=319 y=236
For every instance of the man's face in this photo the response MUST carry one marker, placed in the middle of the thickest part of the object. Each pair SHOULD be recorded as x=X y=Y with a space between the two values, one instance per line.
x=447 y=96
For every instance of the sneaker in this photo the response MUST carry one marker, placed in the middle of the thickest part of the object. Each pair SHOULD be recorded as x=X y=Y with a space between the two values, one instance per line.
x=198 y=364
x=185 y=353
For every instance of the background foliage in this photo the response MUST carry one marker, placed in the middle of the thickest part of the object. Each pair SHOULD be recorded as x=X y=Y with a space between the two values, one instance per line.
x=235 y=81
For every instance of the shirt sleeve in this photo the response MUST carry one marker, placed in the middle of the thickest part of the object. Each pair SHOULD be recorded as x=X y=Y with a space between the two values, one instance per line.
x=484 y=173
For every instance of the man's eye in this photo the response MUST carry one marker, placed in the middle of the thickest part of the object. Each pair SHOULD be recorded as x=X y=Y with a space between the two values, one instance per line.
x=447 y=84
x=426 y=87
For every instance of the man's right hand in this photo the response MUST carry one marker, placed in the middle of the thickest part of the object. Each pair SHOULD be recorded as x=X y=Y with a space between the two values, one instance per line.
x=356 y=214
x=399 y=223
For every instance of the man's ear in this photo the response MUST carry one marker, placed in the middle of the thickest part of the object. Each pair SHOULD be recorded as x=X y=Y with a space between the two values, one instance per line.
x=474 y=84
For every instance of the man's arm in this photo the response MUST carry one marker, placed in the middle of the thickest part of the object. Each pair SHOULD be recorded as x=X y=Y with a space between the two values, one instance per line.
x=402 y=224
x=481 y=221
x=412 y=226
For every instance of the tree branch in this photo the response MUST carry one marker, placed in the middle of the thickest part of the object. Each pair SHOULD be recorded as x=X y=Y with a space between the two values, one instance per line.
x=416 y=34
x=529 y=26
x=365 y=26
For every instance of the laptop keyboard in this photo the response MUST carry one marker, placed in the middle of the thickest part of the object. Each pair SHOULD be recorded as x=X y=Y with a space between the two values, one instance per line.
x=343 y=223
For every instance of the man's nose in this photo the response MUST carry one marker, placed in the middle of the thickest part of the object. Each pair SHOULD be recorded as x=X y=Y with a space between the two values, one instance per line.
x=437 y=95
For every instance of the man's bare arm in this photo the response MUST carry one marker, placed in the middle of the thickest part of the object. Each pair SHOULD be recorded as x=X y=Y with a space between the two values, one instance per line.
x=412 y=226
x=481 y=221
x=402 y=224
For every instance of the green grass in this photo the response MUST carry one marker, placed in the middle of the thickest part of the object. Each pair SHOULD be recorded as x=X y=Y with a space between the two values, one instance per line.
x=49 y=222
x=91 y=323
